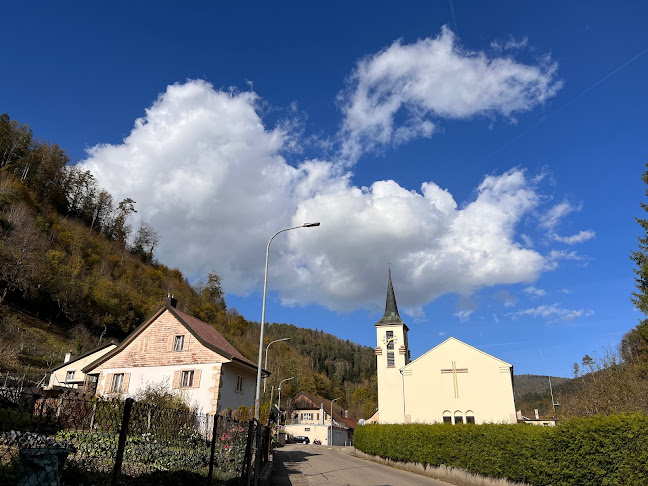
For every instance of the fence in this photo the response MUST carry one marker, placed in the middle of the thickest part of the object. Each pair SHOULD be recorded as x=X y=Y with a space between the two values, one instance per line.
x=50 y=437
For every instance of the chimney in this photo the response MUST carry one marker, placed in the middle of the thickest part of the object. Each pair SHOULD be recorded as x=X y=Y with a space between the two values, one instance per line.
x=171 y=300
x=537 y=415
x=68 y=356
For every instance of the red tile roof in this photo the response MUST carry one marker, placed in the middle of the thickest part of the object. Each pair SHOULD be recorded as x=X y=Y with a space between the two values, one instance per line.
x=205 y=333
x=315 y=402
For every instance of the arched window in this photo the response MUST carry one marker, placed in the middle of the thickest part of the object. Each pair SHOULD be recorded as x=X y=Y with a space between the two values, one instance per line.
x=470 y=417
x=447 y=417
x=458 y=418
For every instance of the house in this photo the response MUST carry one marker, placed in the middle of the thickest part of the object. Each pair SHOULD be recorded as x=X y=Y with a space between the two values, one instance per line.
x=183 y=354
x=69 y=373
x=311 y=416
x=453 y=382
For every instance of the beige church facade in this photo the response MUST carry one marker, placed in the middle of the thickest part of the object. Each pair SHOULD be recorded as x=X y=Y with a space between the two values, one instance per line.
x=453 y=382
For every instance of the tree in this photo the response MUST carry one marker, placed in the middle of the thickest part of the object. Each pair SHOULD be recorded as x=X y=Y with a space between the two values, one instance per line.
x=640 y=258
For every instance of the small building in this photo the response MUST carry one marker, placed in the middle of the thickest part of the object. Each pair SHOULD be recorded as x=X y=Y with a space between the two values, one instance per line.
x=311 y=416
x=183 y=354
x=70 y=373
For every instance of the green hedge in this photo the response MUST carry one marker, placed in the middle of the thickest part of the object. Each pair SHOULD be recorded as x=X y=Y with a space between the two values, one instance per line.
x=610 y=450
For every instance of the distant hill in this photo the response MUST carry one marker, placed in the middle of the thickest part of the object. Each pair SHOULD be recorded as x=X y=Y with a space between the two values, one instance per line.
x=532 y=392
x=525 y=384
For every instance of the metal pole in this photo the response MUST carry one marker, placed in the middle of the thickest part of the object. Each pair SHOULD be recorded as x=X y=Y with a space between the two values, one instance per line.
x=210 y=476
x=331 y=440
x=257 y=398
x=122 y=441
x=265 y=366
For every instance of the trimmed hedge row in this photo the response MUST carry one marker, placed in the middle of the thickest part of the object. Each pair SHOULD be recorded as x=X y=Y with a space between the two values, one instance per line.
x=610 y=450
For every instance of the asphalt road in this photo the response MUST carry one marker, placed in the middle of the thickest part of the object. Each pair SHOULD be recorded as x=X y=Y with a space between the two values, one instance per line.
x=300 y=464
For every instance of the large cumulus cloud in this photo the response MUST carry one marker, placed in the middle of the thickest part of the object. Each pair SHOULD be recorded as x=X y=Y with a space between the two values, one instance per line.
x=209 y=175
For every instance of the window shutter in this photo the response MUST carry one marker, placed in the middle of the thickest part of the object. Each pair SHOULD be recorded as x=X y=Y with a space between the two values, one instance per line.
x=108 y=383
x=125 y=383
x=196 y=379
x=176 y=379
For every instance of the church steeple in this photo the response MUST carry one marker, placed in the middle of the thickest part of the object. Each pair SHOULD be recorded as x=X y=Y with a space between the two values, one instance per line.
x=391 y=308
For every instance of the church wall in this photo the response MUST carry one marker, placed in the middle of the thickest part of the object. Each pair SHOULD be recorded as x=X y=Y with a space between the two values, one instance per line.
x=483 y=386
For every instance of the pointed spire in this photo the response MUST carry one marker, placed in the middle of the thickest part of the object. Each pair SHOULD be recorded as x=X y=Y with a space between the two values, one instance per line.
x=391 y=309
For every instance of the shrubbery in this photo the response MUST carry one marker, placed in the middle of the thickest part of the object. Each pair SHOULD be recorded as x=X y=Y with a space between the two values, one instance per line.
x=610 y=450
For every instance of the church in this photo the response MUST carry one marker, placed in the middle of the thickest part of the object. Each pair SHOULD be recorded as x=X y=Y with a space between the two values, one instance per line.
x=453 y=382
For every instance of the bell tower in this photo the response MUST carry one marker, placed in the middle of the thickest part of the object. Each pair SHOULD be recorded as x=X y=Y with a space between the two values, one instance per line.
x=392 y=354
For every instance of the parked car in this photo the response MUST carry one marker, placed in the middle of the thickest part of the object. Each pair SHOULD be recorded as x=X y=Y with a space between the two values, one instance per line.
x=301 y=439
x=317 y=442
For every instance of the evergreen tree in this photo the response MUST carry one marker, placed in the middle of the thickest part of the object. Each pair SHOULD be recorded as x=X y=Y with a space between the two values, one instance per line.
x=640 y=258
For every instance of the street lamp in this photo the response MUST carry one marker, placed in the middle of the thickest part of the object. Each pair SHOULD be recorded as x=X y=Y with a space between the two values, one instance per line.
x=279 y=406
x=279 y=401
x=331 y=439
x=257 y=398
x=265 y=366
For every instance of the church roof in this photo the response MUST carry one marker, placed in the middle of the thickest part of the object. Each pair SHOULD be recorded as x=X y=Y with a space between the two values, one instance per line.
x=391 y=316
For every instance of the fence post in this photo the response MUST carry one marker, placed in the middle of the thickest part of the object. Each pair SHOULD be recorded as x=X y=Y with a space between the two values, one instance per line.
x=122 y=441
x=247 y=466
x=210 y=476
x=259 y=452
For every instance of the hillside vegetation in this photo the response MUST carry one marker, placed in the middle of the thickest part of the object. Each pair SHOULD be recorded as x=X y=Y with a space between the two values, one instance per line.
x=73 y=274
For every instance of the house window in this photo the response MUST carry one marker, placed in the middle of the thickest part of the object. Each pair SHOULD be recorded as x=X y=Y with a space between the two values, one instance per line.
x=390 y=359
x=117 y=382
x=239 y=383
x=306 y=429
x=178 y=343
x=308 y=416
x=470 y=417
x=69 y=376
x=318 y=416
x=447 y=417
x=458 y=417
x=187 y=379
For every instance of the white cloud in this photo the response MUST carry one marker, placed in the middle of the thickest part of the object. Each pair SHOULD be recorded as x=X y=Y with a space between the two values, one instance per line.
x=553 y=311
x=556 y=213
x=577 y=238
x=429 y=80
x=552 y=218
x=210 y=178
x=506 y=298
x=515 y=44
x=463 y=315
x=535 y=292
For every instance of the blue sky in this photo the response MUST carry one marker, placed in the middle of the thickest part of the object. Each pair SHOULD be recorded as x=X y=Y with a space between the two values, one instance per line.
x=492 y=153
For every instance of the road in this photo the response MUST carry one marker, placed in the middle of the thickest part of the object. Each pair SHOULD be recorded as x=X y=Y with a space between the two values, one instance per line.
x=312 y=465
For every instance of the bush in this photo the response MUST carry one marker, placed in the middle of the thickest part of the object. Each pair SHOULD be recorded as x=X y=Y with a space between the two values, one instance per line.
x=610 y=450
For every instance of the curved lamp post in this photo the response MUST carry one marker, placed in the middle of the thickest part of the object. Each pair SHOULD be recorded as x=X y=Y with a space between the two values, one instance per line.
x=331 y=440
x=265 y=366
x=257 y=398
x=279 y=401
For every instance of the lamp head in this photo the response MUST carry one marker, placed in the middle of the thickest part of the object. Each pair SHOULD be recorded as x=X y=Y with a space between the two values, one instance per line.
x=310 y=225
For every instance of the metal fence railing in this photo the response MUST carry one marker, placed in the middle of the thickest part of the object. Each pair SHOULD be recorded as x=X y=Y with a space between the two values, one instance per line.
x=48 y=437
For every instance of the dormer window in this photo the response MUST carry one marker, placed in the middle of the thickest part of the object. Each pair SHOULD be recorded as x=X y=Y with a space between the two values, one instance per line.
x=178 y=343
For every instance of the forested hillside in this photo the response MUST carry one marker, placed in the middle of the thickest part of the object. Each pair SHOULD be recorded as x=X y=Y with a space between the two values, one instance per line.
x=74 y=273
